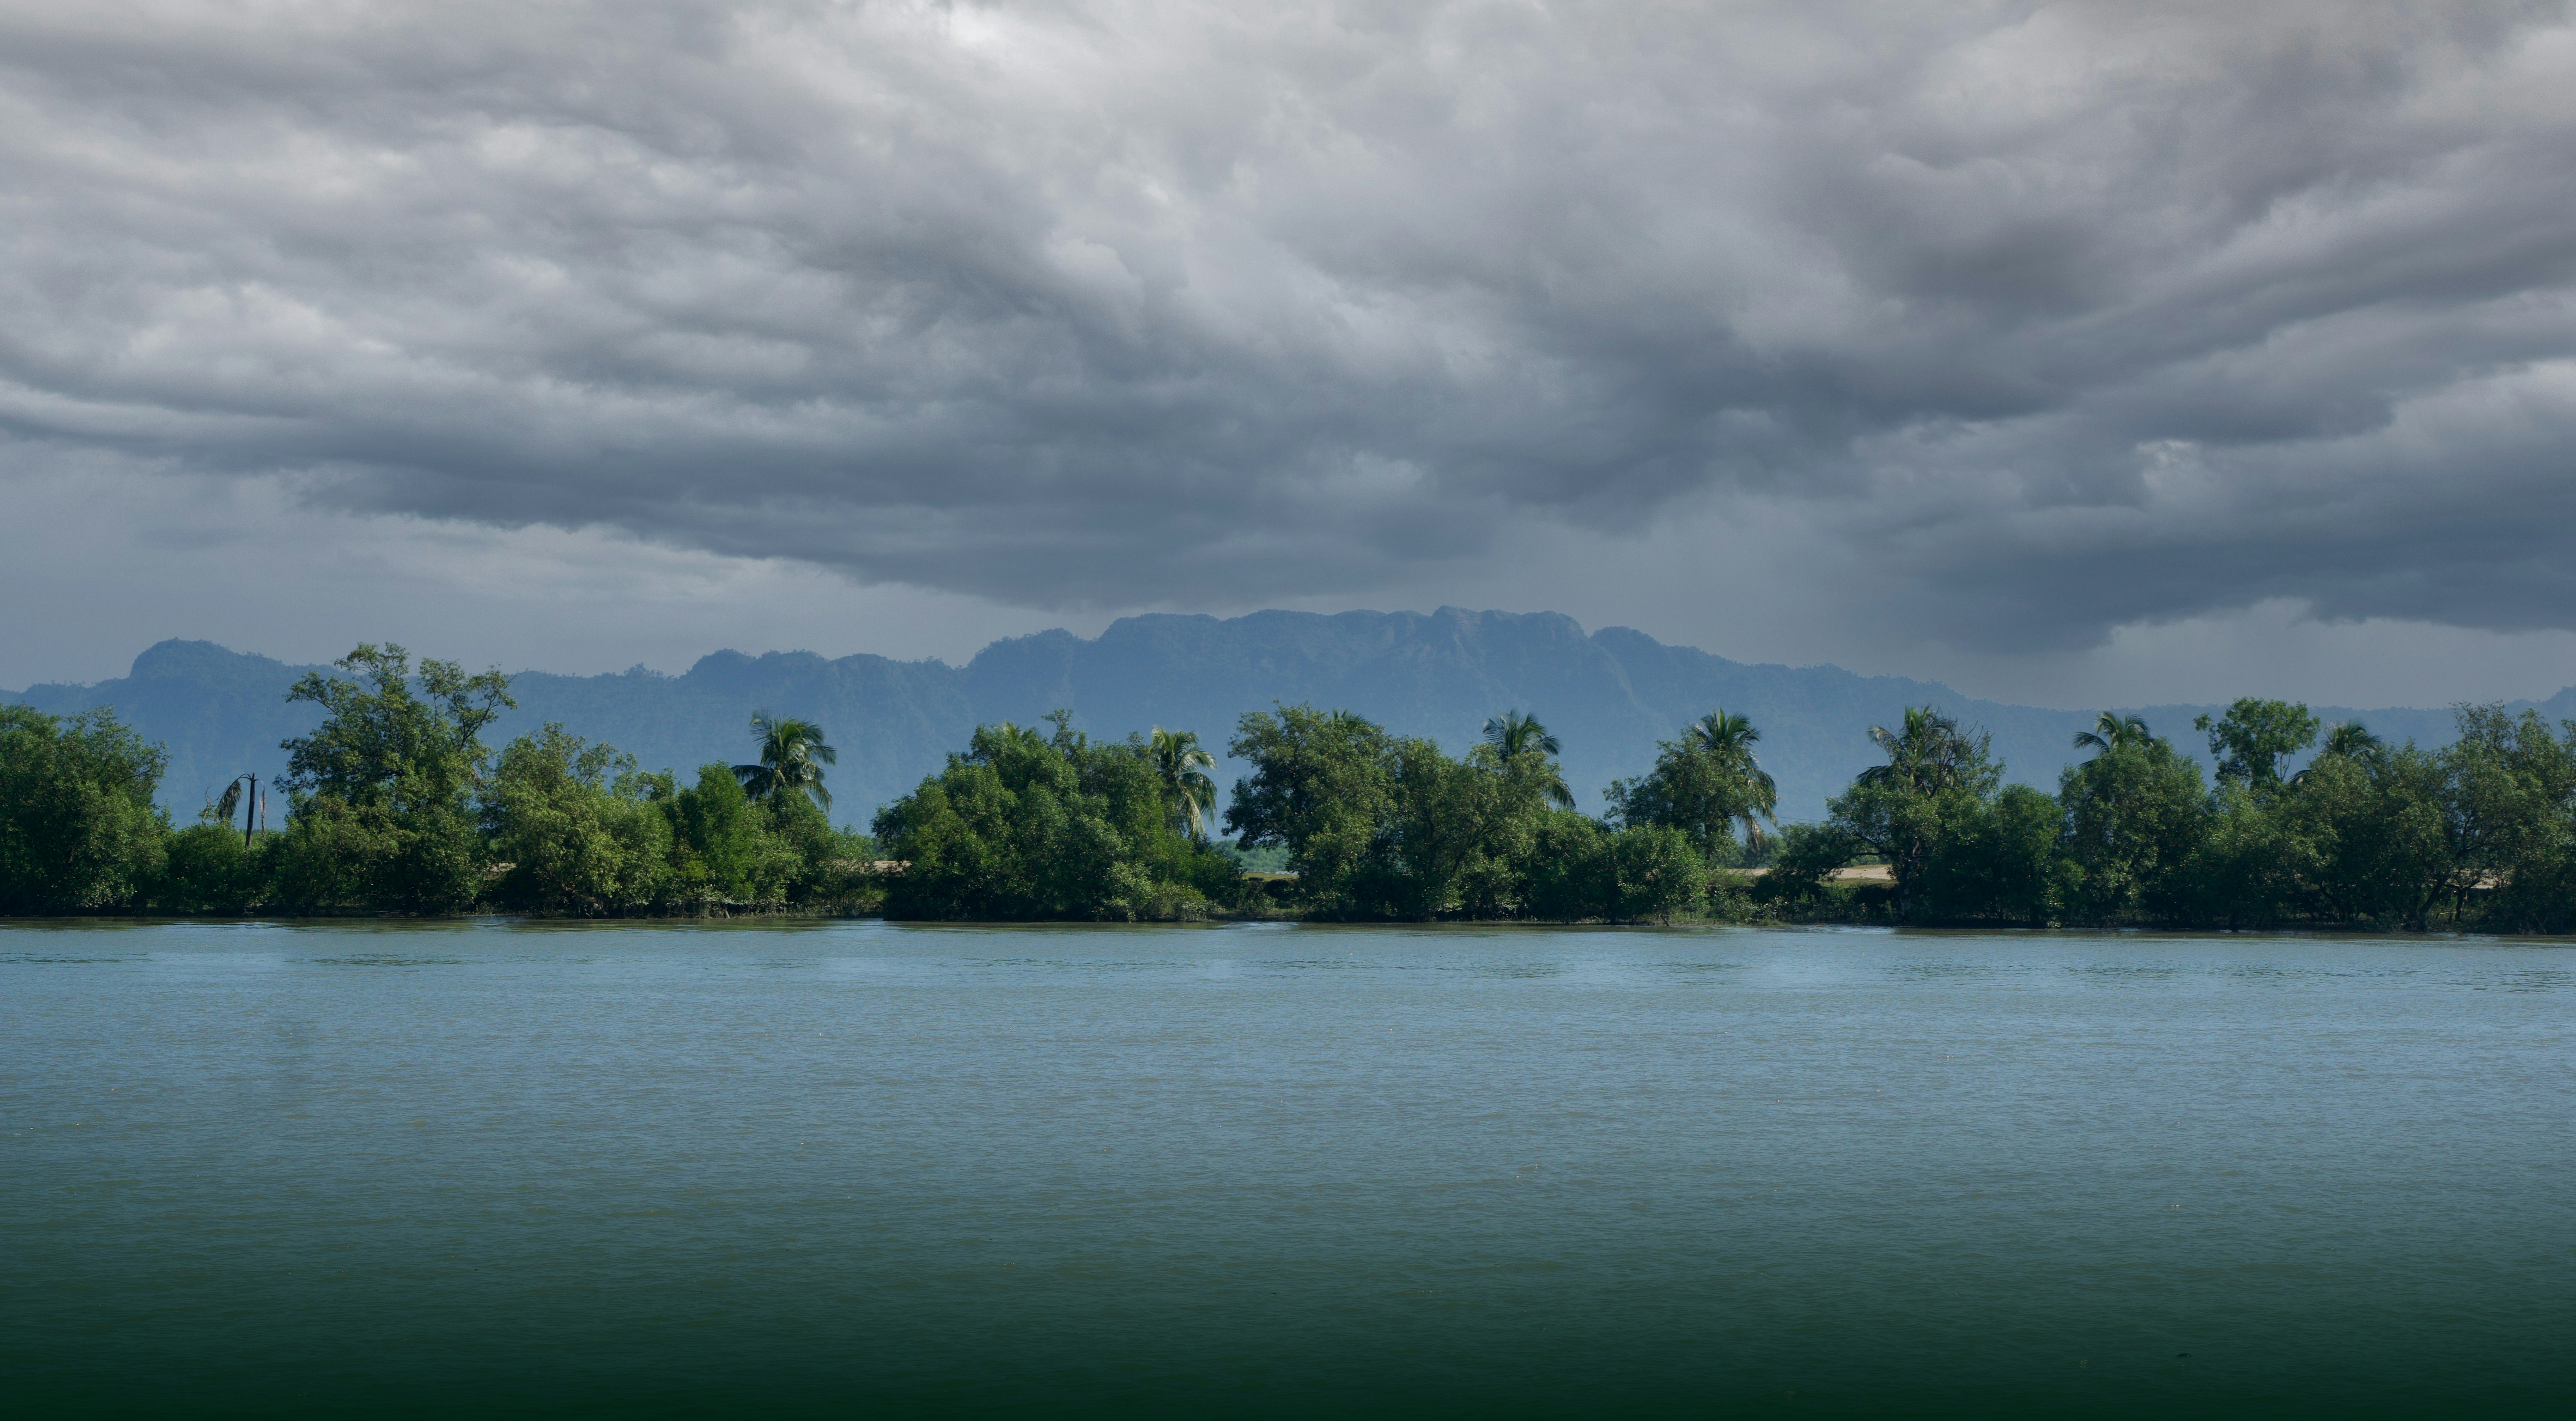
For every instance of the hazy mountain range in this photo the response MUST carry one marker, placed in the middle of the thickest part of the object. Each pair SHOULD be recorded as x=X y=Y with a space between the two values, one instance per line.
x=1609 y=695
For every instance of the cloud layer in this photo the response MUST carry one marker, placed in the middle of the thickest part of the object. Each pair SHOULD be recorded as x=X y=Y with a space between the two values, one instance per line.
x=2041 y=320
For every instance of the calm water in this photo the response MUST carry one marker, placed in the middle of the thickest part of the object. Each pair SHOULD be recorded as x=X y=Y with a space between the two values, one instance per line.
x=1284 y=1170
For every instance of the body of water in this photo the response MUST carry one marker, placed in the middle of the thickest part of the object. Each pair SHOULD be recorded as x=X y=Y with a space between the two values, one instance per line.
x=1270 y=1169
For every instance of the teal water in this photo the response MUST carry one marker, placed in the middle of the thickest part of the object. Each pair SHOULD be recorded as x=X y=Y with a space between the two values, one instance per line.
x=1275 y=1170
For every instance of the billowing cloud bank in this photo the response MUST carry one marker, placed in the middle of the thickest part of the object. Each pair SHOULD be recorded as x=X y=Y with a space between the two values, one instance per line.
x=2058 y=317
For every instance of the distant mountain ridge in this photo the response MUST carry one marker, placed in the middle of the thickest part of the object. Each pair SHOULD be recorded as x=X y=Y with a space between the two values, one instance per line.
x=1608 y=695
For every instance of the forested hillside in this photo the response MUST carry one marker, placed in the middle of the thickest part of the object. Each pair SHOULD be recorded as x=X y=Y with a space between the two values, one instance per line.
x=1609 y=695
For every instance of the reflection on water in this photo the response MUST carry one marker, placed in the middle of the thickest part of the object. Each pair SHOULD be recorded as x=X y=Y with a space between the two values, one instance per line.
x=685 y=1169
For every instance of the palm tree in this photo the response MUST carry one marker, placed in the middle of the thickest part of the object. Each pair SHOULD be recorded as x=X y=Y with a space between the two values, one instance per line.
x=1928 y=757
x=1728 y=739
x=2111 y=731
x=253 y=806
x=1928 y=754
x=1182 y=767
x=1514 y=734
x=792 y=756
x=2353 y=741
x=2347 y=741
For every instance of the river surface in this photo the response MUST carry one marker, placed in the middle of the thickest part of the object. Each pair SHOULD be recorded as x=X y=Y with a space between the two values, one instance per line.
x=868 y=1169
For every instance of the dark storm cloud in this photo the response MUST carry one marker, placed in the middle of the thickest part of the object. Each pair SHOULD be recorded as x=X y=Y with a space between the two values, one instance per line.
x=2063 y=316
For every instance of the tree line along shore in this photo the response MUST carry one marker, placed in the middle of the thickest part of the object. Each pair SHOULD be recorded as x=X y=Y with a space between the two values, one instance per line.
x=394 y=805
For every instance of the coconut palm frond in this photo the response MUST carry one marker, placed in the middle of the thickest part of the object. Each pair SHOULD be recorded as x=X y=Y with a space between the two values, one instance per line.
x=1729 y=737
x=1930 y=752
x=2349 y=740
x=1182 y=767
x=2353 y=741
x=792 y=754
x=2111 y=730
x=1515 y=732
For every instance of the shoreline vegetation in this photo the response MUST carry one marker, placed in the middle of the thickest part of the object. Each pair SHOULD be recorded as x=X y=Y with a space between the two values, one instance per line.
x=394 y=806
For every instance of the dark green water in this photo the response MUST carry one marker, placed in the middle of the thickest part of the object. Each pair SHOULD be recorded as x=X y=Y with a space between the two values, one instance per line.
x=1279 y=1170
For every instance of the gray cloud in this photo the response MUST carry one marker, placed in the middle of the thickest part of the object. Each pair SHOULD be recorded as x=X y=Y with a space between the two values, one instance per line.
x=2056 y=318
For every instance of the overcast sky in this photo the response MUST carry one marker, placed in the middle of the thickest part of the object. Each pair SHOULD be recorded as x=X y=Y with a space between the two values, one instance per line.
x=2068 y=353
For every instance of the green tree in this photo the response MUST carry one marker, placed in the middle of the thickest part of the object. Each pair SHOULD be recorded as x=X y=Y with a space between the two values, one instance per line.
x=78 y=830
x=2366 y=841
x=2347 y=740
x=1998 y=862
x=2533 y=888
x=576 y=827
x=1378 y=826
x=1514 y=734
x=722 y=855
x=2133 y=816
x=380 y=792
x=1182 y=769
x=2352 y=740
x=1657 y=873
x=832 y=868
x=2112 y=729
x=1937 y=779
x=2252 y=739
x=208 y=869
x=1027 y=826
x=1321 y=785
x=1803 y=866
x=2244 y=871
x=1728 y=740
x=1705 y=784
x=2509 y=794
x=792 y=757
x=1579 y=868
x=1572 y=875
x=1460 y=835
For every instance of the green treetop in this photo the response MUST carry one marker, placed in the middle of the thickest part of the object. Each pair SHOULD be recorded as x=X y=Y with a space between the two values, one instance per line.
x=1937 y=779
x=2252 y=739
x=1181 y=767
x=792 y=757
x=381 y=789
x=78 y=832
x=1514 y=734
x=1705 y=784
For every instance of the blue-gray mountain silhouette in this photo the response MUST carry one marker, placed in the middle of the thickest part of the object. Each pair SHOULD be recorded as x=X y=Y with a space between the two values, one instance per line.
x=1609 y=695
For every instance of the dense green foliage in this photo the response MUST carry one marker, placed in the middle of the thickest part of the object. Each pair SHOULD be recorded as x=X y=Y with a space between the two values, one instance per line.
x=792 y=757
x=1024 y=825
x=577 y=829
x=1939 y=782
x=2254 y=737
x=78 y=832
x=1383 y=826
x=2480 y=833
x=395 y=805
x=381 y=794
x=1703 y=786
x=1181 y=766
